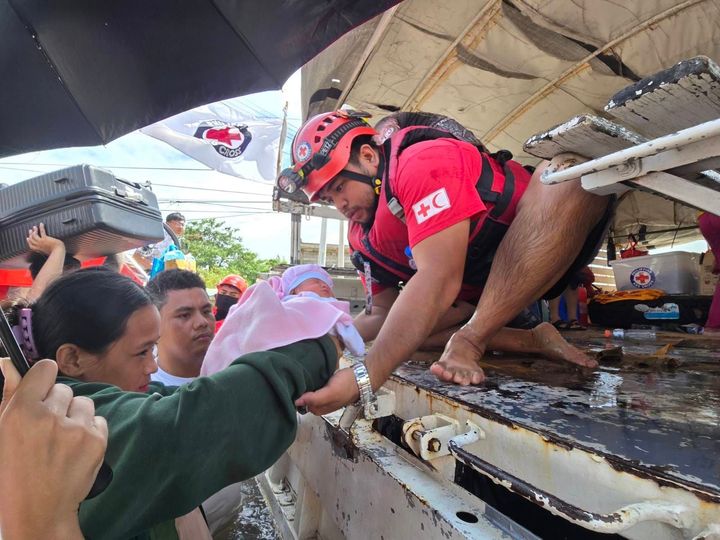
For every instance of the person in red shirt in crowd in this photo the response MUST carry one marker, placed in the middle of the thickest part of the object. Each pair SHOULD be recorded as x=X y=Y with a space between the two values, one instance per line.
x=710 y=229
x=462 y=223
x=229 y=291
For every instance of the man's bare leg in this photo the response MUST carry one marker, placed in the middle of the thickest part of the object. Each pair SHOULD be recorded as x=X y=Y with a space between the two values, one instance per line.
x=544 y=340
x=550 y=228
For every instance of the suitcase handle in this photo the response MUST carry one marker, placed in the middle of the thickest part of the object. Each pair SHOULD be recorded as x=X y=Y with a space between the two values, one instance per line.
x=68 y=221
x=129 y=193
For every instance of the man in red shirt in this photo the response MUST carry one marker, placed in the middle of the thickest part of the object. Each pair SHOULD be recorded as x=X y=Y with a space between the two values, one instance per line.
x=459 y=221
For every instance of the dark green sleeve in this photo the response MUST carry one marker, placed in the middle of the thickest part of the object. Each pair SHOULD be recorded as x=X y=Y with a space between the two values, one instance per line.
x=173 y=448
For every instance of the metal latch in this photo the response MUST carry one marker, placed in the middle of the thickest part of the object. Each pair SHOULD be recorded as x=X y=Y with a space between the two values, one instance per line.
x=384 y=405
x=126 y=192
x=429 y=436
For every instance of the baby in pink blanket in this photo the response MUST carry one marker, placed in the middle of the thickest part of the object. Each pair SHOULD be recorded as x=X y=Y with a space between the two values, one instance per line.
x=304 y=278
x=299 y=305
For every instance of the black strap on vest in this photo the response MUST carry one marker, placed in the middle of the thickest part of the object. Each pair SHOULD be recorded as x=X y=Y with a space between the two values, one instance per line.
x=379 y=273
x=483 y=184
x=483 y=246
x=502 y=201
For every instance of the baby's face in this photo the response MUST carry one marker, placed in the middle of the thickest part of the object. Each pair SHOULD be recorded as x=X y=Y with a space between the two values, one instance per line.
x=318 y=286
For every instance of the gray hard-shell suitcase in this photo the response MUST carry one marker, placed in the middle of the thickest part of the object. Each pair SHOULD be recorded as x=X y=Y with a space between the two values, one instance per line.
x=88 y=208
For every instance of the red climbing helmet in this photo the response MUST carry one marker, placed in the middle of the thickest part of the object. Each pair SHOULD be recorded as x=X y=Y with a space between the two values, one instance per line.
x=234 y=281
x=321 y=149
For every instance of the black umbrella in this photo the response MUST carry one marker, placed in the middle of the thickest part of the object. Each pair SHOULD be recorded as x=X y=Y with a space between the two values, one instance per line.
x=84 y=72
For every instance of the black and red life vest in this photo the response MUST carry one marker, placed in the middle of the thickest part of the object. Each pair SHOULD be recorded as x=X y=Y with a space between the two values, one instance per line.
x=500 y=185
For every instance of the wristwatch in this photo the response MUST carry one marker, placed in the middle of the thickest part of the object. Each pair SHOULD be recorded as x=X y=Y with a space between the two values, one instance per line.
x=362 y=378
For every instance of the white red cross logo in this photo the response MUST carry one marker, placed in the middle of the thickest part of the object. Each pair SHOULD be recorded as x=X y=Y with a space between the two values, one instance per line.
x=431 y=205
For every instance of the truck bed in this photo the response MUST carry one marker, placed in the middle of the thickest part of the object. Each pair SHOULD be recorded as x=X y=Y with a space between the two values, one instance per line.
x=656 y=418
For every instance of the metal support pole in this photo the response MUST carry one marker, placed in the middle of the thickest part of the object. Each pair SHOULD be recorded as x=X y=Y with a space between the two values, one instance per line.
x=680 y=140
x=322 y=248
x=341 y=245
x=295 y=238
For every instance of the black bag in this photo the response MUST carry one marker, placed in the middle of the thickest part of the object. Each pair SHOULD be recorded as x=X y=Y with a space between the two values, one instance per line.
x=93 y=212
x=625 y=313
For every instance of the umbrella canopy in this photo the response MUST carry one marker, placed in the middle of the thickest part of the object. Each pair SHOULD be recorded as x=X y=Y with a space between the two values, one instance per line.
x=84 y=72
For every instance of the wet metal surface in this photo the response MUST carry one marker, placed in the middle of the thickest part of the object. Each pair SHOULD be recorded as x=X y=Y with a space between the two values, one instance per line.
x=253 y=521
x=648 y=419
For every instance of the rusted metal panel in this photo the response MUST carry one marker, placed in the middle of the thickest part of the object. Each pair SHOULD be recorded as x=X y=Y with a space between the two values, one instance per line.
x=682 y=96
x=677 y=515
x=382 y=492
x=630 y=448
x=587 y=135
x=654 y=423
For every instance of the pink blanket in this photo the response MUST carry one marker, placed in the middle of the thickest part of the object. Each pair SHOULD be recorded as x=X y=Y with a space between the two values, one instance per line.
x=262 y=321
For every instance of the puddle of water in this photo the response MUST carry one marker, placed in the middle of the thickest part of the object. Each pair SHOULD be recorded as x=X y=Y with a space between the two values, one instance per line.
x=253 y=521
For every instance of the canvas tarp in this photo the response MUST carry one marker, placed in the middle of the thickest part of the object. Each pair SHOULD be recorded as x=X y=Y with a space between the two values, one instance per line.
x=510 y=69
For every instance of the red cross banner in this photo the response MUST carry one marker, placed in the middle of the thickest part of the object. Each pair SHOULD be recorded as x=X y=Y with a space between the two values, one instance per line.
x=225 y=136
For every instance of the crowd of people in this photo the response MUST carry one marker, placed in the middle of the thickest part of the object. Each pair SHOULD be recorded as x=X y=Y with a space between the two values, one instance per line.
x=184 y=394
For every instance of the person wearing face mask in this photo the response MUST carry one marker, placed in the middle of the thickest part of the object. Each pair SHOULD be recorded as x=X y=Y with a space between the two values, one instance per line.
x=229 y=291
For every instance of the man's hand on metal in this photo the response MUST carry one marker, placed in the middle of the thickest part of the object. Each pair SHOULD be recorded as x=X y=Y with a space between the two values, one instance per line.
x=340 y=390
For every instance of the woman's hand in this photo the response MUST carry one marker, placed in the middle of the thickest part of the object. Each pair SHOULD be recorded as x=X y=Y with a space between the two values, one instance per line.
x=38 y=240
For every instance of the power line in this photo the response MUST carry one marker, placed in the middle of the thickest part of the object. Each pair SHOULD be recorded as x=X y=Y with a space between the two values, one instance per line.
x=206 y=201
x=21 y=170
x=225 y=210
x=154 y=168
x=66 y=165
x=202 y=211
x=230 y=216
x=153 y=184
x=219 y=211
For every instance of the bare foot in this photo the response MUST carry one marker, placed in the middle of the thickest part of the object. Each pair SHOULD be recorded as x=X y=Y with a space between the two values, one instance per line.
x=459 y=361
x=552 y=345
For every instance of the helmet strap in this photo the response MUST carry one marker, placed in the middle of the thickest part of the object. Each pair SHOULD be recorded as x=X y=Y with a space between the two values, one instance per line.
x=374 y=182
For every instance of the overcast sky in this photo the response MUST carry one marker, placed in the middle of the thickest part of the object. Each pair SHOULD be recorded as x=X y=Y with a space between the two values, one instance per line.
x=244 y=204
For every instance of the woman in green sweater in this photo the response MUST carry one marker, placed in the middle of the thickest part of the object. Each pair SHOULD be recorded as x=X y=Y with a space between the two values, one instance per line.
x=169 y=448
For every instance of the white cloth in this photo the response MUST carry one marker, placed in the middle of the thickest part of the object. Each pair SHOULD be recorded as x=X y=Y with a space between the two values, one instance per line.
x=168 y=379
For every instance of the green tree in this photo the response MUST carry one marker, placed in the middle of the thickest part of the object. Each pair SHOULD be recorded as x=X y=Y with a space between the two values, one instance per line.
x=219 y=251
